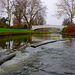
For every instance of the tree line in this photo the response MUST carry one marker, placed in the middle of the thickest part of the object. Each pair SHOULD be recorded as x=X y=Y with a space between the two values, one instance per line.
x=33 y=12
x=29 y=12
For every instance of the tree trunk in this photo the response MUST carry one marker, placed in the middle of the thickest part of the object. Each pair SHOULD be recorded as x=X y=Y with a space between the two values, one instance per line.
x=9 y=23
x=19 y=22
x=71 y=18
x=8 y=13
x=29 y=26
x=72 y=13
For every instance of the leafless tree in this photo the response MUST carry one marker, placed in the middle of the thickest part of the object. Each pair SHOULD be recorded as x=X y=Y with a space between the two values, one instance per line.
x=6 y=6
x=18 y=10
x=39 y=20
x=30 y=10
x=66 y=8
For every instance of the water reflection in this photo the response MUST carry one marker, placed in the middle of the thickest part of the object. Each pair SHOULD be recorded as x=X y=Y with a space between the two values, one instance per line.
x=14 y=42
x=43 y=37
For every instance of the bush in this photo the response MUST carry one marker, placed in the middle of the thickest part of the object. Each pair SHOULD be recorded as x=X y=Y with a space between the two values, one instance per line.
x=70 y=28
x=25 y=26
x=3 y=25
x=11 y=27
x=20 y=27
x=7 y=26
x=16 y=26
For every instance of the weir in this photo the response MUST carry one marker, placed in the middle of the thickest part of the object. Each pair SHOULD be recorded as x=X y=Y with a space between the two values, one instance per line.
x=45 y=42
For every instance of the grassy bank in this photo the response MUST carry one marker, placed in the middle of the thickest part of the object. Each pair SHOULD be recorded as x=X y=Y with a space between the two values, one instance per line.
x=5 y=31
x=13 y=30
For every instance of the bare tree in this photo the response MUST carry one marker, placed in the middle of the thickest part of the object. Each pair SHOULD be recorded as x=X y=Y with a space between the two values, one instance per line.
x=18 y=10
x=6 y=6
x=66 y=8
x=25 y=9
x=39 y=20
x=31 y=9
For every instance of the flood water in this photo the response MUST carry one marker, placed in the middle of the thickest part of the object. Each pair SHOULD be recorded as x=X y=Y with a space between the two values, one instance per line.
x=56 y=58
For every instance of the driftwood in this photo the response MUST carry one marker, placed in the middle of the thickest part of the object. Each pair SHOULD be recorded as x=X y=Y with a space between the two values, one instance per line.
x=6 y=58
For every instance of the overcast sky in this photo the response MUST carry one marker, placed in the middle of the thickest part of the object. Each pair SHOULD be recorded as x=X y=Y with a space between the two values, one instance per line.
x=51 y=10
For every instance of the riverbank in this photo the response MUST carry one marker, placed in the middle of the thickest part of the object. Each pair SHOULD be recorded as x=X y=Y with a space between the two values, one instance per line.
x=7 y=32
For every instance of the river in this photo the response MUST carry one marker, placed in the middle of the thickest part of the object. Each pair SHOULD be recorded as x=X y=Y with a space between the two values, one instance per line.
x=56 y=58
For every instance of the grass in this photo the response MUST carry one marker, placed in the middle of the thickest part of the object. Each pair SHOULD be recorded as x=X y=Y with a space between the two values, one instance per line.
x=6 y=31
x=13 y=30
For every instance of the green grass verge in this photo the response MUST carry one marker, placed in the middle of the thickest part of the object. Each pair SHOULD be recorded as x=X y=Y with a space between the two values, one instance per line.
x=13 y=30
x=5 y=30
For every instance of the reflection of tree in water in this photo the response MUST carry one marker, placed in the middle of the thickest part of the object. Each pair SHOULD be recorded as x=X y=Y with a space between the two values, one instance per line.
x=15 y=41
x=71 y=42
x=3 y=44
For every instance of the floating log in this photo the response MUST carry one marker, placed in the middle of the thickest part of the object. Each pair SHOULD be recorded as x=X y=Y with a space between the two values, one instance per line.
x=6 y=58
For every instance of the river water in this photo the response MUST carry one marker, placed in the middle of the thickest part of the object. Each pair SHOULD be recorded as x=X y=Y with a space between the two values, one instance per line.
x=56 y=58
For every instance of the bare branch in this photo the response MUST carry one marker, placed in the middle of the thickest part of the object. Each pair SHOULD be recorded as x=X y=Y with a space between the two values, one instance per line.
x=66 y=7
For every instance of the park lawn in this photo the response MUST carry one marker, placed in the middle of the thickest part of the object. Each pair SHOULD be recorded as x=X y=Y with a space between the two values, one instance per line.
x=14 y=30
x=11 y=31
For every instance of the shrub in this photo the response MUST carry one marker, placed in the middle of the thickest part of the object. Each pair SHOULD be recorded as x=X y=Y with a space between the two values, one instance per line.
x=25 y=26
x=20 y=27
x=16 y=26
x=3 y=25
x=11 y=27
x=70 y=28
